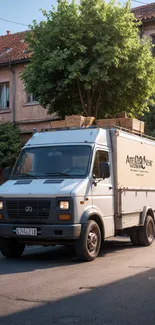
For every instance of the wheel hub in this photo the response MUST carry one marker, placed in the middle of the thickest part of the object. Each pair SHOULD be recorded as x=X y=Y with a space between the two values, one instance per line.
x=92 y=241
x=150 y=231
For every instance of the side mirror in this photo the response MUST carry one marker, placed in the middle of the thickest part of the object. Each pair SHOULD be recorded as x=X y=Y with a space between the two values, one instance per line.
x=104 y=170
x=6 y=173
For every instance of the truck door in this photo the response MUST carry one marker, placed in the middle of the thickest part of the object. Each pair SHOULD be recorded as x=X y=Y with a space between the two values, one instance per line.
x=103 y=193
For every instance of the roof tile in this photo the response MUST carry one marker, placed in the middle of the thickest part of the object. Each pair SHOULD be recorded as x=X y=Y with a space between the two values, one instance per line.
x=145 y=12
x=13 y=48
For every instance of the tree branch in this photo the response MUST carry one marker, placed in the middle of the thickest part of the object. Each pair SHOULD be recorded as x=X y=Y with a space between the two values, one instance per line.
x=89 y=100
x=98 y=101
x=93 y=92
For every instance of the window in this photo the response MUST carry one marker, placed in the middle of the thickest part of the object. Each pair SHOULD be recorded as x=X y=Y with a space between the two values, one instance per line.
x=4 y=95
x=54 y=161
x=153 y=42
x=101 y=156
x=31 y=98
x=27 y=163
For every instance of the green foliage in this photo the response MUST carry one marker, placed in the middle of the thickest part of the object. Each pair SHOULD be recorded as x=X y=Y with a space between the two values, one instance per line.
x=10 y=144
x=149 y=119
x=88 y=57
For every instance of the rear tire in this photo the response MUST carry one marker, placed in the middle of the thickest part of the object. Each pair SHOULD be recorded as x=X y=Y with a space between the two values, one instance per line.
x=147 y=232
x=88 y=245
x=134 y=236
x=10 y=248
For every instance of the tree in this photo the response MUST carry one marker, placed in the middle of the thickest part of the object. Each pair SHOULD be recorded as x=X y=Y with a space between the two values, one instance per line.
x=10 y=144
x=89 y=58
x=149 y=119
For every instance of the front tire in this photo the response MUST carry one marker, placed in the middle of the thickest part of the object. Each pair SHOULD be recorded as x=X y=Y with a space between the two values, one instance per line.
x=147 y=232
x=88 y=245
x=11 y=248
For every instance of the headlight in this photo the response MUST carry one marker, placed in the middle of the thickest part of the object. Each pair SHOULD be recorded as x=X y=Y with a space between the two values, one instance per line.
x=1 y=205
x=64 y=205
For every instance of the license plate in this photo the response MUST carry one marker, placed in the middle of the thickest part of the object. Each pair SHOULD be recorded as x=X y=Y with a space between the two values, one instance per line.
x=26 y=231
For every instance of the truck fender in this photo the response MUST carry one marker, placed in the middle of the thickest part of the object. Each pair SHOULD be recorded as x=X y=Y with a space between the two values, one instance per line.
x=93 y=214
x=147 y=210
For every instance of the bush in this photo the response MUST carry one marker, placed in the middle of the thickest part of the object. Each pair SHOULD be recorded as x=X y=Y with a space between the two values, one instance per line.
x=10 y=144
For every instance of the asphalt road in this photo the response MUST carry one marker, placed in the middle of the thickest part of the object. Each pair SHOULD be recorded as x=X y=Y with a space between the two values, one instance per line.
x=50 y=286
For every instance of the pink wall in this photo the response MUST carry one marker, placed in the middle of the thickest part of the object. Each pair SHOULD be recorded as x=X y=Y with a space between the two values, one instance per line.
x=27 y=116
x=6 y=76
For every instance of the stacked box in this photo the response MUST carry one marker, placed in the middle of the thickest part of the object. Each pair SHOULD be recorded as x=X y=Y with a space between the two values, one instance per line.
x=58 y=124
x=127 y=123
x=74 y=121
x=134 y=125
x=108 y=122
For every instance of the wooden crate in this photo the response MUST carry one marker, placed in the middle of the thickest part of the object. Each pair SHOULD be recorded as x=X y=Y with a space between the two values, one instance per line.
x=75 y=120
x=58 y=124
x=127 y=123
x=133 y=124
x=108 y=122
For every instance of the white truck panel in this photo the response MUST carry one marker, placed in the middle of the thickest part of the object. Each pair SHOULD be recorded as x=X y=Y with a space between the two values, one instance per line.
x=134 y=177
x=70 y=136
x=135 y=162
x=134 y=201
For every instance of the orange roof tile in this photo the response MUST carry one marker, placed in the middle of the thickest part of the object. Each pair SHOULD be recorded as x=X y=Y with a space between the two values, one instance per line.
x=13 y=48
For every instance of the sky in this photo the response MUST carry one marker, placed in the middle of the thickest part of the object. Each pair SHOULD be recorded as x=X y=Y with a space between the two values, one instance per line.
x=22 y=11
x=25 y=11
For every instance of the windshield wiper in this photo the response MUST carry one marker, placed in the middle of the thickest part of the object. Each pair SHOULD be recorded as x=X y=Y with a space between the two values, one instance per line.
x=58 y=174
x=27 y=175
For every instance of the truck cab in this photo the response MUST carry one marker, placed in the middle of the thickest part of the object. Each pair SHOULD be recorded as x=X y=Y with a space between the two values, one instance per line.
x=60 y=182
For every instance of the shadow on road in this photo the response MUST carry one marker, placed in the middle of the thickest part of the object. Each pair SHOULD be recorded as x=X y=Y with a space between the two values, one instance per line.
x=129 y=301
x=43 y=258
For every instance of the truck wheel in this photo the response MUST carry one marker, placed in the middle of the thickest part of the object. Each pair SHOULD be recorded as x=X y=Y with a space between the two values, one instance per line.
x=134 y=236
x=88 y=245
x=147 y=232
x=11 y=248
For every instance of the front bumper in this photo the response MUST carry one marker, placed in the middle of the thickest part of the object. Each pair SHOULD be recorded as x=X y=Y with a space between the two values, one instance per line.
x=44 y=232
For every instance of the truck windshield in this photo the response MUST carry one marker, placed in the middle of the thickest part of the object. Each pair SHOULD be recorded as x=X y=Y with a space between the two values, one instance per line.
x=55 y=161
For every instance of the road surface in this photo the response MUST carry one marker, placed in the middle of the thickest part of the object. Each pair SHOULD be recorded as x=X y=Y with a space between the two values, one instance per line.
x=49 y=286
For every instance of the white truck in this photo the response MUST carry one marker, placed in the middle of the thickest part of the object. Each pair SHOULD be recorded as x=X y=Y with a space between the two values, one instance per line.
x=80 y=187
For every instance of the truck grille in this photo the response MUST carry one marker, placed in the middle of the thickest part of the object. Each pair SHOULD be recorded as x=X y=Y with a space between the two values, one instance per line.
x=28 y=209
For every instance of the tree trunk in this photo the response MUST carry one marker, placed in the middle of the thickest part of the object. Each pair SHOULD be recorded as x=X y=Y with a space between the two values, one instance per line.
x=89 y=101
x=82 y=100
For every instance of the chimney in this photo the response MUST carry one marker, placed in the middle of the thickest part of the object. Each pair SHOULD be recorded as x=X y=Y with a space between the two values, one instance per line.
x=8 y=32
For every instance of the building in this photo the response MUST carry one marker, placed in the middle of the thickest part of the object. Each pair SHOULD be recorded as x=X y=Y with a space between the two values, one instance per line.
x=146 y=14
x=16 y=105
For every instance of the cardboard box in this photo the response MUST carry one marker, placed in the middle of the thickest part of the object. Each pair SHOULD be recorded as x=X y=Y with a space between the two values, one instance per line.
x=58 y=124
x=133 y=124
x=126 y=123
x=108 y=122
x=75 y=120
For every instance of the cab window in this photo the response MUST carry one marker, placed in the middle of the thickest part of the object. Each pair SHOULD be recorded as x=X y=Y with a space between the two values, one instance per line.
x=101 y=156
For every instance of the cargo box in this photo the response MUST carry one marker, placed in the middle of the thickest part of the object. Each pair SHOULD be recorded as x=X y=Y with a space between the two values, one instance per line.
x=74 y=120
x=127 y=123
x=58 y=124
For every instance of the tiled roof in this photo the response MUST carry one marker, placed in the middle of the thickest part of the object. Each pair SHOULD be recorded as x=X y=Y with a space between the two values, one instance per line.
x=145 y=12
x=13 y=48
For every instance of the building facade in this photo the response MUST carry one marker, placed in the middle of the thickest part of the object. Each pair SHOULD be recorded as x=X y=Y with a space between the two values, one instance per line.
x=16 y=105
x=146 y=14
